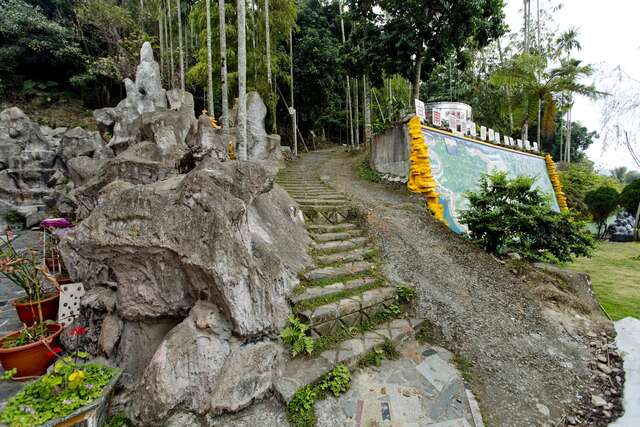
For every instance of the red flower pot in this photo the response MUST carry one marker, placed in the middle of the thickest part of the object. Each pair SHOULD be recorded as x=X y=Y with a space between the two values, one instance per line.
x=28 y=311
x=33 y=359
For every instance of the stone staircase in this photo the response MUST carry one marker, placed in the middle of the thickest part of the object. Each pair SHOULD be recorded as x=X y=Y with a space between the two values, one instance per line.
x=349 y=305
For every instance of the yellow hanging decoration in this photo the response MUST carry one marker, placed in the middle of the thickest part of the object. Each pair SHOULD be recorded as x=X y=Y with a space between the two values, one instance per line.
x=555 y=182
x=420 y=177
x=231 y=151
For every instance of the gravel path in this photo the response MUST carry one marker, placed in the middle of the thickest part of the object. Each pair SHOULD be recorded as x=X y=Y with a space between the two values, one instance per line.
x=529 y=361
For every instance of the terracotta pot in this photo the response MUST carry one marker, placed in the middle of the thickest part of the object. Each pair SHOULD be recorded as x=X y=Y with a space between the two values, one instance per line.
x=32 y=359
x=28 y=311
x=54 y=263
x=63 y=279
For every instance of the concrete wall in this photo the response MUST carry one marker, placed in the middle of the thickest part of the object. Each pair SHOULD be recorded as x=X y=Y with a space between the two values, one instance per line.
x=390 y=152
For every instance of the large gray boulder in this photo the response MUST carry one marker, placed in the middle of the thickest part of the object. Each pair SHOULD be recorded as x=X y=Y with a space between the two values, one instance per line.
x=221 y=233
x=209 y=141
x=79 y=142
x=187 y=282
x=260 y=145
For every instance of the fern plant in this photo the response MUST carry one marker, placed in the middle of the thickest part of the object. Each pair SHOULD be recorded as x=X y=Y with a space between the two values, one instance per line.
x=337 y=381
x=295 y=336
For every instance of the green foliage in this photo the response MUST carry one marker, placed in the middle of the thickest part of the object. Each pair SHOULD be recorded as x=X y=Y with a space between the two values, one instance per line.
x=13 y=217
x=57 y=394
x=405 y=293
x=30 y=40
x=509 y=214
x=389 y=350
x=27 y=335
x=300 y=409
x=577 y=180
x=602 y=202
x=337 y=381
x=117 y=420
x=630 y=197
x=7 y=375
x=365 y=172
x=372 y=358
x=295 y=335
x=393 y=310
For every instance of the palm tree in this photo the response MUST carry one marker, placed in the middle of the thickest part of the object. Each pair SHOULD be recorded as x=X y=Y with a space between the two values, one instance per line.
x=529 y=79
x=620 y=174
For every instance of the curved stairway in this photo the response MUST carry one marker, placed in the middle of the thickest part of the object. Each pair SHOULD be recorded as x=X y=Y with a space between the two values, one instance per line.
x=349 y=305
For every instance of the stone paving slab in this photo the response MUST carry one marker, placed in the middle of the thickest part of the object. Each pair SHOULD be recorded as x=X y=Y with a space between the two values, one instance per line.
x=328 y=228
x=337 y=271
x=340 y=245
x=397 y=394
x=342 y=235
x=358 y=254
x=313 y=292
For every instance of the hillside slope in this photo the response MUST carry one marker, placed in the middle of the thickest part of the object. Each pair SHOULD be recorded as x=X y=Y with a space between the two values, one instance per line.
x=524 y=342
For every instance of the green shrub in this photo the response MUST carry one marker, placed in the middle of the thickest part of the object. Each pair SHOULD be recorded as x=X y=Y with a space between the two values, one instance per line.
x=630 y=197
x=602 y=202
x=337 y=381
x=365 y=172
x=580 y=178
x=300 y=410
x=405 y=294
x=295 y=335
x=509 y=214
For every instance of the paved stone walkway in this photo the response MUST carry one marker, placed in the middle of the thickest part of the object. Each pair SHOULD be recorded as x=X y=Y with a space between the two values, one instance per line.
x=421 y=388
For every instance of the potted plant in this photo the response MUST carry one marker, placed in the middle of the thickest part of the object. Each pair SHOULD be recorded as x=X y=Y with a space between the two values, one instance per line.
x=52 y=258
x=40 y=303
x=74 y=391
x=27 y=351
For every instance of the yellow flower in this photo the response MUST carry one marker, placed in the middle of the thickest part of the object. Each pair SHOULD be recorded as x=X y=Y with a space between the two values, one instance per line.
x=76 y=376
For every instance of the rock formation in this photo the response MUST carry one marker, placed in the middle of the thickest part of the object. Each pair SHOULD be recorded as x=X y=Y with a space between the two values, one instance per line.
x=187 y=257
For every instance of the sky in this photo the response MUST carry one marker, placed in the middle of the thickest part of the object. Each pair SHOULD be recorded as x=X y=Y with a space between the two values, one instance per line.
x=610 y=37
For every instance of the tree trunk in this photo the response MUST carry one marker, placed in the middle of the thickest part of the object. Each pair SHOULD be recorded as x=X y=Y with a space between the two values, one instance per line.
x=161 y=37
x=635 y=231
x=242 y=79
x=293 y=110
x=223 y=65
x=539 y=119
x=348 y=90
x=272 y=97
x=561 y=142
x=180 y=45
x=357 y=112
x=508 y=91
x=526 y=25
x=173 y=77
x=417 y=73
x=567 y=157
x=539 y=39
x=209 y=61
x=367 y=112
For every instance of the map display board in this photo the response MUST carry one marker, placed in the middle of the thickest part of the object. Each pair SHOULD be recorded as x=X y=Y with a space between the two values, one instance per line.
x=458 y=163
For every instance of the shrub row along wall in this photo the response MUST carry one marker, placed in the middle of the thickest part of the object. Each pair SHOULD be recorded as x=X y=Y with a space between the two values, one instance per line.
x=457 y=163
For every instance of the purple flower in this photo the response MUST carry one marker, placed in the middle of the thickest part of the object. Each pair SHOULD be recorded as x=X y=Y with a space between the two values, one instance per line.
x=56 y=223
x=28 y=410
x=67 y=401
x=88 y=386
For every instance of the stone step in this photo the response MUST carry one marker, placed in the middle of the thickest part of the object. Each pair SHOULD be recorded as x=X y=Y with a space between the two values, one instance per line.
x=340 y=245
x=325 y=196
x=326 y=319
x=301 y=371
x=341 y=235
x=330 y=228
x=349 y=256
x=313 y=292
x=321 y=202
x=338 y=271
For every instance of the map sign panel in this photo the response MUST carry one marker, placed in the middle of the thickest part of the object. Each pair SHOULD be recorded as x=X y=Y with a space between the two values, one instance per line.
x=458 y=163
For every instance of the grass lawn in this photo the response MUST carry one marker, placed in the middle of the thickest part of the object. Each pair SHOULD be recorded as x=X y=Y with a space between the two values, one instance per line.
x=616 y=277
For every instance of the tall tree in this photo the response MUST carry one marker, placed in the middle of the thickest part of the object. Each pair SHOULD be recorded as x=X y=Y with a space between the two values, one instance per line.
x=209 y=61
x=293 y=109
x=267 y=38
x=348 y=89
x=242 y=79
x=179 y=15
x=401 y=40
x=223 y=64
x=173 y=67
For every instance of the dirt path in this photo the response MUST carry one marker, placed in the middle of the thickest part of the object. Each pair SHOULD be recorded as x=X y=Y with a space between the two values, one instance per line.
x=524 y=365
